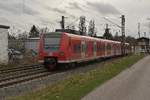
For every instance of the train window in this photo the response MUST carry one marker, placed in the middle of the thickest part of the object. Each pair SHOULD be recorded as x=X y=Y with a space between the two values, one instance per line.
x=52 y=41
x=77 y=48
x=85 y=47
x=98 y=47
x=104 y=47
x=94 y=48
x=108 y=47
x=101 y=47
x=69 y=41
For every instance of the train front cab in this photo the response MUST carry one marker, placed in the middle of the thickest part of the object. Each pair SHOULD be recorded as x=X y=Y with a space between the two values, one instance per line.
x=51 y=49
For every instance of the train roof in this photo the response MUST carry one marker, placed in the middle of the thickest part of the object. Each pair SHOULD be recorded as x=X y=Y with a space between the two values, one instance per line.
x=71 y=32
x=88 y=37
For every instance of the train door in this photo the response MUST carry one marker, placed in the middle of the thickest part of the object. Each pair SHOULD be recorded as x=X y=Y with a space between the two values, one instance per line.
x=114 y=46
x=95 y=49
x=83 y=47
x=105 y=50
x=112 y=49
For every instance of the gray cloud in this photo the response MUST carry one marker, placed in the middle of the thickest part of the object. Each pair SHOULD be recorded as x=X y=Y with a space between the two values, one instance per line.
x=75 y=5
x=17 y=8
x=30 y=11
x=72 y=16
x=103 y=8
x=4 y=20
x=57 y=10
x=60 y=11
x=46 y=21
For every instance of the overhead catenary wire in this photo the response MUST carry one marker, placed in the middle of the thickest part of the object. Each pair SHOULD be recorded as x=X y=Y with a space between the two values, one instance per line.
x=112 y=22
x=73 y=23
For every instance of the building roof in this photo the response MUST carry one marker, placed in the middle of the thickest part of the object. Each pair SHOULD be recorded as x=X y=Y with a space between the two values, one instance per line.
x=5 y=27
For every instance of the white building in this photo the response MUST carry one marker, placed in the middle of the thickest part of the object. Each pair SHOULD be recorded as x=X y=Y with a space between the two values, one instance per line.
x=143 y=45
x=32 y=44
x=3 y=44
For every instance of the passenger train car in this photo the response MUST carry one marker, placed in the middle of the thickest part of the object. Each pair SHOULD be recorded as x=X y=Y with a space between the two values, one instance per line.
x=65 y=48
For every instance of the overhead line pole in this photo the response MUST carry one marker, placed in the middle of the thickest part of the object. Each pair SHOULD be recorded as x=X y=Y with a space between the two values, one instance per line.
x=123 y=34
x=139 y=29
x=148 y=25
x=63 y=23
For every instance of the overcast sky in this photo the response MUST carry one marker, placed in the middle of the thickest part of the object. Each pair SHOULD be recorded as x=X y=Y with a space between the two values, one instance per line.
x=22 y=14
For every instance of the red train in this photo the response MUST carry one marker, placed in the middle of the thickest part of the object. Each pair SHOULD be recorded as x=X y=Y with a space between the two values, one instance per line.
x=64 y=48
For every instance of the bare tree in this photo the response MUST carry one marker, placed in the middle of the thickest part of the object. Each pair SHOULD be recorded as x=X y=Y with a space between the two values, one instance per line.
x=107 y=34
x=23 y=36
x=91 y=28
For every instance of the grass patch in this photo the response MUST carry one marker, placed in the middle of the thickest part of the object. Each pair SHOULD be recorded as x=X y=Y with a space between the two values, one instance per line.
x=77 y=86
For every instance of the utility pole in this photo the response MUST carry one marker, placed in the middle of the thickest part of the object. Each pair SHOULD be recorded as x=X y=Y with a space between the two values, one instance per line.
x=139 y=30
x=107 y=27
x=149 y=34
x=62 y=23
x=148 y=26
x=123 y=34
x=145 y=34
x=82 y=25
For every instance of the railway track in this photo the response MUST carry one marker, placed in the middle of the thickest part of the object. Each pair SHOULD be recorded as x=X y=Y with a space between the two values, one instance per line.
x=4 y=69
x=16 y=75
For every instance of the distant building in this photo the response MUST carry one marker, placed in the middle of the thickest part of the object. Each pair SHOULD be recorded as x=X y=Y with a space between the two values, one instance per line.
x=143 y=45
x=4 y=44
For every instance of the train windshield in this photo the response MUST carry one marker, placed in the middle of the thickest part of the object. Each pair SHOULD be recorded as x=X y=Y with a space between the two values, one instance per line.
x=52 y=41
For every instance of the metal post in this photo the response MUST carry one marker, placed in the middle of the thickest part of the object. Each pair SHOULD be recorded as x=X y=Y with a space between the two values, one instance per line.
x=145 y=34
x=149 y=34
x=62 y=23
x=139 y=30
x=123 y=34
